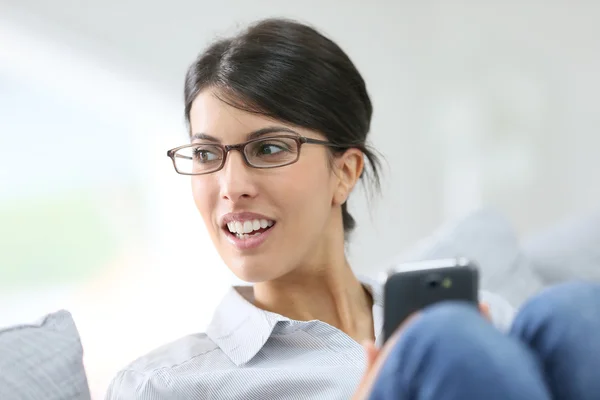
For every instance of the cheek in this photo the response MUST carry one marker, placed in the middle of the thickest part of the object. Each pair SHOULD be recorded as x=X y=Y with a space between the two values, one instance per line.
x=204 y=196
x=308 y=187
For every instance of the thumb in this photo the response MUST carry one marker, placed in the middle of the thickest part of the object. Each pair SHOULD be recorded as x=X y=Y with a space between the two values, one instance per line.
x=484 y=308
x=372 y=353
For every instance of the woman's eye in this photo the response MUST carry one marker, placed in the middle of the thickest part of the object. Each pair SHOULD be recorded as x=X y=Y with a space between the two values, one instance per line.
x=204 y=155
x=267 y=149
x=272 y=146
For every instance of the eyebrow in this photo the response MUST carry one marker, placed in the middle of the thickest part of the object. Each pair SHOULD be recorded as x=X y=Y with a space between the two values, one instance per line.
x=252 y=135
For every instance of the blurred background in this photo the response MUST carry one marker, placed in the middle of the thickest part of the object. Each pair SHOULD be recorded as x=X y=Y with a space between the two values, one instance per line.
x=476 y=103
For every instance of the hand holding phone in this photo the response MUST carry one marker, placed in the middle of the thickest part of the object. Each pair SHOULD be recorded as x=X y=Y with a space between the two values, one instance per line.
x=412 y=287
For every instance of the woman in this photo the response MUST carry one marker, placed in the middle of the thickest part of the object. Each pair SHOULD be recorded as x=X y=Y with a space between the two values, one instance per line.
x=298 y=113
x=278 y=119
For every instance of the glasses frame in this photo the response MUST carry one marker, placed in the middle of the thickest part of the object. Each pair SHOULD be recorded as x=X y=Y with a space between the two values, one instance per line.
x=300 y=140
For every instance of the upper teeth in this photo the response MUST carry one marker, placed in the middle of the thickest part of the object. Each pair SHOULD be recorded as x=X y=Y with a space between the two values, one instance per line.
x=248 y=226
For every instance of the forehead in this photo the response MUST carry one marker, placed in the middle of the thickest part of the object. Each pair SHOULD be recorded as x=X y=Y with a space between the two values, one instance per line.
x=212 y=116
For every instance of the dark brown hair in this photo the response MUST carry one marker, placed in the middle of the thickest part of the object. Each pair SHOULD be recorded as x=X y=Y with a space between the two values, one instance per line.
x=290 y=72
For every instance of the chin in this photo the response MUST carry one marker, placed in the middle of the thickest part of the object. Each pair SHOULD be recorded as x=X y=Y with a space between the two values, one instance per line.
x=250 y=271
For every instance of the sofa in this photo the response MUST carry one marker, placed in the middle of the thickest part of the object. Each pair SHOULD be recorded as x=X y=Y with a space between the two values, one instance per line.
x=44 y=360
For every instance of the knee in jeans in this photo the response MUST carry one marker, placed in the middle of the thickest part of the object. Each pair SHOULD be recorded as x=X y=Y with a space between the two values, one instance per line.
x=441 y=338
x=561 y=302
x=448 y=315
x=453 y=327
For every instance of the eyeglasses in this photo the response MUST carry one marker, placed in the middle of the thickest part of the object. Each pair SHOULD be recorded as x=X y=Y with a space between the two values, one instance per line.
x=268 y=152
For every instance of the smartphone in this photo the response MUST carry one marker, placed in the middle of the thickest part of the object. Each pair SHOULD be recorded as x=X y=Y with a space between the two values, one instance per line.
x=413 y=286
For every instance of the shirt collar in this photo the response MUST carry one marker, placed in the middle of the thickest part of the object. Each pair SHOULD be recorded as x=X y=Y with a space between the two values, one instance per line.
x=375 y=288
x=241 y=329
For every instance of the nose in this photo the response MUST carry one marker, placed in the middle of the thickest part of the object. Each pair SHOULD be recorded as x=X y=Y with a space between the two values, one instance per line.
x=236 y=179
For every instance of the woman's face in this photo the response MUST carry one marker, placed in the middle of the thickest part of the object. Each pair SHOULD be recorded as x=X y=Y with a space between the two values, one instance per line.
x=266 y=222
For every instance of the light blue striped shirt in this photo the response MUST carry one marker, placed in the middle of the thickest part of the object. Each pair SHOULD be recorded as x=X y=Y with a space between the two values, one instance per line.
x=248 y=353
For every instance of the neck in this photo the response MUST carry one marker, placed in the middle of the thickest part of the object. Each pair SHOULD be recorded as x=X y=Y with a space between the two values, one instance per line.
x=326 y=291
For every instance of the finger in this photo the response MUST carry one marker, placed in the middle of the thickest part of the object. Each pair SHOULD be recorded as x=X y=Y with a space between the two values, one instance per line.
x=372 y=353
x=484 y=308
x=376 y=358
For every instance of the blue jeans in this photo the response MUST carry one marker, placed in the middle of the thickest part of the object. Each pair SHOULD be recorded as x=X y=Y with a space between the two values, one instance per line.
x=450 y=353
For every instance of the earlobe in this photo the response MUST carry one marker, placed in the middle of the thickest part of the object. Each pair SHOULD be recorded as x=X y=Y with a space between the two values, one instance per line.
x=340 y=197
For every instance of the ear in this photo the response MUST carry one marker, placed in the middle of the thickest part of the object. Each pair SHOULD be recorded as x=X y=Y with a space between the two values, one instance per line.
x=349 y=167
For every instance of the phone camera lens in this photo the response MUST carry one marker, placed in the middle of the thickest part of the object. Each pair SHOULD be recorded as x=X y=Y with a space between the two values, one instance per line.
x=433 y=281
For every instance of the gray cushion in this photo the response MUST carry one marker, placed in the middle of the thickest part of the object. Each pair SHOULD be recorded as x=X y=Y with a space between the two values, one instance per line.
x=43 y=361
x=568 y=250
x=487 y=238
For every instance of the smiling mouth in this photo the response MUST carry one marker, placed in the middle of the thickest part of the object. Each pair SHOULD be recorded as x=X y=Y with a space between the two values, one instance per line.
x=249 y=228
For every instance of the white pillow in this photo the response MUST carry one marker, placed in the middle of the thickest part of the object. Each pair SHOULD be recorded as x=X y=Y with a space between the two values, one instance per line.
x=569 y=250
x=43 y=361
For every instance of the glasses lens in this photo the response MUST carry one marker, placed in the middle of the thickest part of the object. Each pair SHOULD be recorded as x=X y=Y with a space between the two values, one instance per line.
x=271 y=152
x=199 y=159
